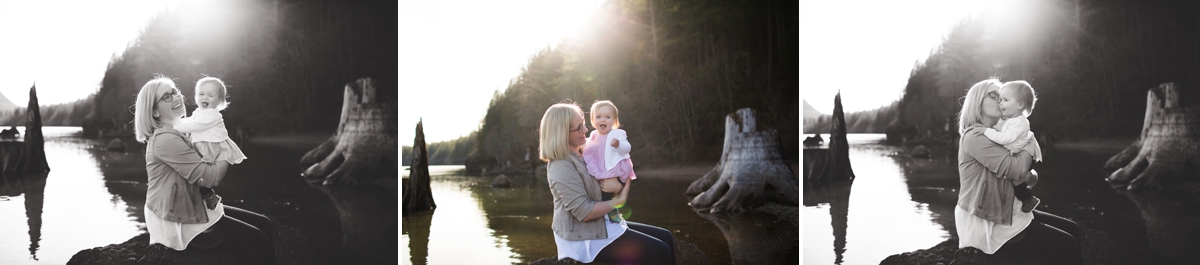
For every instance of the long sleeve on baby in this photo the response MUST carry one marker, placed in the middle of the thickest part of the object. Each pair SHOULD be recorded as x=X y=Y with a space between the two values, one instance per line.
x=199 y=121
x=1013 y=130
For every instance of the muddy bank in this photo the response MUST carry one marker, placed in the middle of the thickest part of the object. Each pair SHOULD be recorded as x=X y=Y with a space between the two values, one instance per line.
x=685 y=253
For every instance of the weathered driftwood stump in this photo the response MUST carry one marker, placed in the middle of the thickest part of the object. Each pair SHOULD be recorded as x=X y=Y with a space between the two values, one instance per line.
x=1167 y=152
x=417 y=196
x=364 y=146
x=27 y=157
x=835 y=167
x=751 y=170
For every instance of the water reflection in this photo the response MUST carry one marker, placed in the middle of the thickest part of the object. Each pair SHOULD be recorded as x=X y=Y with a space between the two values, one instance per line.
x=42 y=215
x=368 y=217
x=512 y=225
x=837 y=197
x=1171 y=223
x=881 y=219
x=33 y=186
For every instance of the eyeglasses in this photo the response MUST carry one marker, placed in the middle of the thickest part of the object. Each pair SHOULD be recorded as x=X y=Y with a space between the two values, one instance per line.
x=581 y=128
x=993 y=95
x=166 y=98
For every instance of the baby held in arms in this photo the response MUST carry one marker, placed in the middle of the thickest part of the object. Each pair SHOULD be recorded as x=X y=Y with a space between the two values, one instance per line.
x=1016 y=104
x=207 y=129
x=607 y=150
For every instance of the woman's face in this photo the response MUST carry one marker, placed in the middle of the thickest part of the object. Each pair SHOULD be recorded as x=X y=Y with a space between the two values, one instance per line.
x=990 y=107
x=168 y=104
x=576 y=134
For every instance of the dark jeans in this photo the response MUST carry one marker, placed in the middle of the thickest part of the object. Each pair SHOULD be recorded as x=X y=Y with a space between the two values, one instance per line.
x=1021 y=191
x=249 y=233
x=641 y=244
x=1050 y=236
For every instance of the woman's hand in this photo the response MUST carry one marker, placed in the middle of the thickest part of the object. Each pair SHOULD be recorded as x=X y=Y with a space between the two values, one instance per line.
x=619 y=199
x=616 y=143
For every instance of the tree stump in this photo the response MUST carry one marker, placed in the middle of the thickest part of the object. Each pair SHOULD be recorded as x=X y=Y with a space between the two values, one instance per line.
x=364 y=146
x=750 y=172
x=417 y=195
x=1167 y=152
x=28 y=156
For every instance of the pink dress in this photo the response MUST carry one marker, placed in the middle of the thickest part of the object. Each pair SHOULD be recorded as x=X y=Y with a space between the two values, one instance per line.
x=593 y=156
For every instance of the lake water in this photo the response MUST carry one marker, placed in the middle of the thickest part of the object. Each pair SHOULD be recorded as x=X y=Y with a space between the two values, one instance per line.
x=93 y=198
x=899 y=204
x=477 y=224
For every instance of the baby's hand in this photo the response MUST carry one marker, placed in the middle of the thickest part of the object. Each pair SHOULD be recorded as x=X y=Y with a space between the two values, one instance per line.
x=616 y=144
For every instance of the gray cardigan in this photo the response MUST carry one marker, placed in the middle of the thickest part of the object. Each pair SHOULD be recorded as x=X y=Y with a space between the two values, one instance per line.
x=174 y=176
x=575 y=194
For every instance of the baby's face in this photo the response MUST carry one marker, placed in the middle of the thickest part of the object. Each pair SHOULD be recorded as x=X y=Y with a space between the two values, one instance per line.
x=1008 y=102
x=208 y=96
x=603 y=119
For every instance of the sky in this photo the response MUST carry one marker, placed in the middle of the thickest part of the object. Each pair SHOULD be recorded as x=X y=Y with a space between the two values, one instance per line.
x=455 y=54
x=866 y=49
x=65 y=46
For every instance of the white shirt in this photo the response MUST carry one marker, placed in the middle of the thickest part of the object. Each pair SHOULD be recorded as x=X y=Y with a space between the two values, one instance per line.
x=586 y=250
x=177 y=235
x=612 y=155
x=205 y=125
x=987 y=235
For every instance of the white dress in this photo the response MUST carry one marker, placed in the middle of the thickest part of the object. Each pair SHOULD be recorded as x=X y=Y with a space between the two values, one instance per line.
x=586 y=250
x=987 y=235
x=177 y=235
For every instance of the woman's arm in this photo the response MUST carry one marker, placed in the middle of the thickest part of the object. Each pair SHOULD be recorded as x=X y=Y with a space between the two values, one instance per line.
x=174 y=151
x=996 y=158
x=199 y=121
x=566 y=184
x=602 y=208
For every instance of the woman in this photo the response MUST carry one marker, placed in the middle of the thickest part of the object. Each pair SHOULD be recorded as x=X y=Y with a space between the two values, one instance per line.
x=579 y=231
x=175 y=212
x=987 y=216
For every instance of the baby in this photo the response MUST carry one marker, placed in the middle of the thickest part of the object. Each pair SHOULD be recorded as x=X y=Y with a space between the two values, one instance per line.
x=607 y=150
x=1016 y=104
x=207 y=129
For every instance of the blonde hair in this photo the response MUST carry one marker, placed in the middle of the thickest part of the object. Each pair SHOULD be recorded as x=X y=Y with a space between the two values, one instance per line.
x=970 y=113
x=224 y=92
x=1025 y=94
x=602 y=103
x=144 y=122
x=553 y=134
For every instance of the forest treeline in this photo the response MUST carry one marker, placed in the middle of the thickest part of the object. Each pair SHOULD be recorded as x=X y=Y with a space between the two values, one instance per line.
x=63 y=114
x=867 y=121
x=285 y=62
x=453 y=152
x=1091 y=63
x=673 y=68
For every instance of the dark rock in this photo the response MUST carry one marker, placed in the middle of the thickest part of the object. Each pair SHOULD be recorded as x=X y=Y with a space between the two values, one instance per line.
x=137 y=251
x=814 y=140
x=947 y=251
x=501 y=181
x=116 y=145
x=685 y=253
x=920 y=152
x=10 y=133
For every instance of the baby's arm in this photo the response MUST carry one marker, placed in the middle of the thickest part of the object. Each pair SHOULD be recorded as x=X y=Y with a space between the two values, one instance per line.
x=1013 y=130
x=621 y=143
x=199 y=121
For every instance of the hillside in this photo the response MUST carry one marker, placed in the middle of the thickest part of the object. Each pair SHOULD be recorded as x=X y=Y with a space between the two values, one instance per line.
x=809 y=111
x=870 y=121
x=6 y=104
